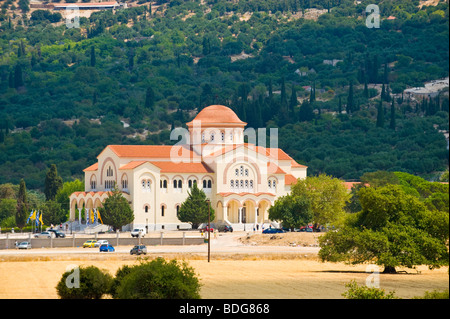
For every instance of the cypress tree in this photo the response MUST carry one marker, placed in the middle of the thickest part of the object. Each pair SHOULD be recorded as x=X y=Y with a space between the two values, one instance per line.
x=293 y=102
x=306 y=112
x=366 y=89
x=350 y=99
x=392 y=124
x=53 y=182
x=11 y=79
x=92 y=56
x=18 y=77
x=380 y=114
x=283 y=93
x=149 y=98
x=340 y=106
x=22 y=205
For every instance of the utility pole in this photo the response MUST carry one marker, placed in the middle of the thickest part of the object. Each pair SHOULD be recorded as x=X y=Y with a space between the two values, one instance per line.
x=209 y=230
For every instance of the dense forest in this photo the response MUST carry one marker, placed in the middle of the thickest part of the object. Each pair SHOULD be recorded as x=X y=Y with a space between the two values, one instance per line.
x=129 y=76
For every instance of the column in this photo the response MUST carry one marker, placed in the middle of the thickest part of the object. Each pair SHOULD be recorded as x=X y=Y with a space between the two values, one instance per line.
x=240 y=215
x=79 y=215
x=225 y=213
x=86 y=215
x=256 y=216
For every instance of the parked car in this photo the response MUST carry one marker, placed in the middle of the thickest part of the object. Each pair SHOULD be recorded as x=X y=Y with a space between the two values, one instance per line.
x=138 y=249
x=44 y=234
x=57 y=233
x=272 y=231
x=101 y=242
x=135 y=232
x=107 y=248
x=89 y=243
x=205 y=229
x=307 y=228
x=225 y=229
x=24 y=245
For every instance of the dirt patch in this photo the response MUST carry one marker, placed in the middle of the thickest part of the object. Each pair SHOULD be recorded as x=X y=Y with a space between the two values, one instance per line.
x=294 y=239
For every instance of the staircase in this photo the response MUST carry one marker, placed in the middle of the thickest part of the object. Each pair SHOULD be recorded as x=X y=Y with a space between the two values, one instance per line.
x=87 y=229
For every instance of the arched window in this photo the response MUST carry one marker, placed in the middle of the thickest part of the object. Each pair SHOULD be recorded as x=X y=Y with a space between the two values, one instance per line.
x=93 y=182
x=232 y=184
x=236 y=172
x=162 y=210
x=251 y=184
x=212 y=136
x=246 y=172
x=222 y=136
x=146 y=209
x=179 y=183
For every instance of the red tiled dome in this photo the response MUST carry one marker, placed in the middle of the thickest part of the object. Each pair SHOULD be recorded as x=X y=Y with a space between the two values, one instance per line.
x=217 y=114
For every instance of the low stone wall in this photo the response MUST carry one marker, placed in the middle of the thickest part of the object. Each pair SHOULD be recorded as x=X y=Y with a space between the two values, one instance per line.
x=74 y=241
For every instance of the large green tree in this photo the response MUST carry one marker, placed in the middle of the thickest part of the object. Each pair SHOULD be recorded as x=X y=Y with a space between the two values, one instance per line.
x=393 y=229
x=156 y=279
x=116 y=210
x=52 y=213
x=194 y=209
x=327 y=195
x=293 y=211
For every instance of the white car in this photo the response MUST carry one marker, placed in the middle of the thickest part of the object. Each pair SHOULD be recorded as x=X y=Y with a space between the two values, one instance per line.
x=101 y=242
x=44 y=234
x=24 y=245
x=135 y=232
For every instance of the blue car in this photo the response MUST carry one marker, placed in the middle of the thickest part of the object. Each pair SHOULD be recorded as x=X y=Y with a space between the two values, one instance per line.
x=272 y=231
x=107 y=248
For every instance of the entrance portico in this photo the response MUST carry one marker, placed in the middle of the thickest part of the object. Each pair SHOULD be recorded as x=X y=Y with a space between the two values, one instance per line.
x=239 y=209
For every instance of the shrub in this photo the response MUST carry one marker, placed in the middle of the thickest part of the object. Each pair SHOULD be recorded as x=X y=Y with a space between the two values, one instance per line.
x=157 y=279
x=435 y=294
x=363 y=292
x=93 y=284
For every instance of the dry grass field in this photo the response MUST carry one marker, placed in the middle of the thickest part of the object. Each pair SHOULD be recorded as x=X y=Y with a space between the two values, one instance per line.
x=227 y=276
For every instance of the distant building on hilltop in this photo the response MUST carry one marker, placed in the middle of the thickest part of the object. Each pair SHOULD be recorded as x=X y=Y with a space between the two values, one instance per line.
x=86 y=5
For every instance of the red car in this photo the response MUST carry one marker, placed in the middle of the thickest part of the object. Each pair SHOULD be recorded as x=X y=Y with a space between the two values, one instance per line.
x=306 y=228
x=205 y=229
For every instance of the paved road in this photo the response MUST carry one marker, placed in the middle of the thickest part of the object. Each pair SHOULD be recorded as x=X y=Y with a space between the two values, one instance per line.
x=224 y=243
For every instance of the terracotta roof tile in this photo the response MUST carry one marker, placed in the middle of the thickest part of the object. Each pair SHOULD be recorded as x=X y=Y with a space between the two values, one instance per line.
x=217 y=114
x=289 y=179
x=147 y=151
x=93 y=167
x=170 y=167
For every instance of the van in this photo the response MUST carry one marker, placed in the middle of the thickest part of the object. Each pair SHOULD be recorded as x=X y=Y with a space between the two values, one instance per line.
x=135 y=232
